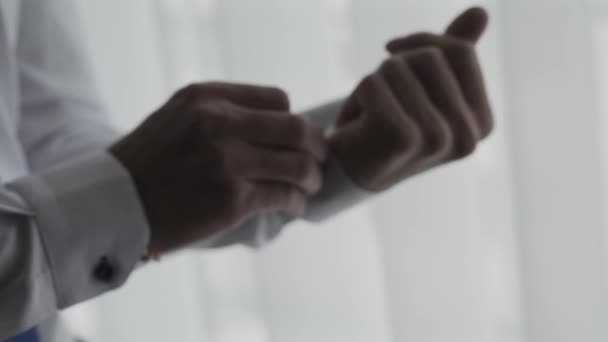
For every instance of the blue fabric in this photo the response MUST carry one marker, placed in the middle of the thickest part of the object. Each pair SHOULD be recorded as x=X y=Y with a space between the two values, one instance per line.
x=28 y=336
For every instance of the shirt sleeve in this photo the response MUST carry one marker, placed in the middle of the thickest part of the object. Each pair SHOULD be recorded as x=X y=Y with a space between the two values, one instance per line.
x=75 y=228
x=66 y=235
x=339 y=193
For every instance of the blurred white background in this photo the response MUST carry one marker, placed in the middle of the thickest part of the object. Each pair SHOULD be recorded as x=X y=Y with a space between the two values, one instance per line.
x=508 y=246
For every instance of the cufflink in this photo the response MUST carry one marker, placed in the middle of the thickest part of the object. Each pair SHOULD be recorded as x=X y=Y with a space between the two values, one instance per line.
x=104 y=270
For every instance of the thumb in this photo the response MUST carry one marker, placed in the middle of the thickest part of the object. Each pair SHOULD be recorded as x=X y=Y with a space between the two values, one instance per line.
x=470 y=25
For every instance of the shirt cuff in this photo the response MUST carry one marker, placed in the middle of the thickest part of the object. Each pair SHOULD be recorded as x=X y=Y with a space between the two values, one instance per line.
x=91 y=224
x=255 y=232
x=339 y=193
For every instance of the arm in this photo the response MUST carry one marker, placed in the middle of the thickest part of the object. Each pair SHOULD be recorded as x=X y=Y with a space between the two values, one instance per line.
x=76 y=227
x=62 y=243
x=61 y=114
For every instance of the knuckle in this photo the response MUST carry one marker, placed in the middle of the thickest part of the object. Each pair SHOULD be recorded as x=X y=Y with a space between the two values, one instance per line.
x=461 y=50
x=218 y=89
x=465 y=147
x=305 y=168
x=465 y=47
x=288 y=193
x=467 y=135
x=397 y=149
x=426 y=54
x=443 y=141
x=217 y=107
x=488 y=127
x=423 y=37
x=222 y=156
x=279 y=96
x=415 y=140
x=236 y=194
x=276 y=196
x=216 y=84
x=439 y=139
x=231 y=188
x=367 y=82
x=427 y=61
x=412 y=41
x=294 y=198
x=184 y=90
x=316 y=177
x=212 y=117
x=403 y=142
x=192 y=90
x=299 y=130
x=391 y=65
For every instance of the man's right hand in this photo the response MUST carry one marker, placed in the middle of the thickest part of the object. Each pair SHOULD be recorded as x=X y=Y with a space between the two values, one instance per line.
x=216 y=154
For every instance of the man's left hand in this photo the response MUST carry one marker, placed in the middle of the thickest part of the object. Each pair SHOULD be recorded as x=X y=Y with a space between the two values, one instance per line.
x=425 y=106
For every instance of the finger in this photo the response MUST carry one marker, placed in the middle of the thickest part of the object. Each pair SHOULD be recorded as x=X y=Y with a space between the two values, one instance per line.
x=272 y=196
x=470 y=25
x=351 y=111
x=276 y=165
x=466 y=67
x=376 y=98
x=268 y=128
x=386 y=115
x=443 y=89
x=246 y=95
x=388 y=137
x=410 y=93
x=414 y=41
x=276 y=129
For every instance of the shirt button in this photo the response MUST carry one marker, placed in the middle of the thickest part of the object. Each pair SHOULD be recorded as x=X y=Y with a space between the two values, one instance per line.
x=104 y=270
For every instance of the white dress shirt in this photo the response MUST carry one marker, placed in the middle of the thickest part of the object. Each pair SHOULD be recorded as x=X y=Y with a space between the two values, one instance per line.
x=71 y=224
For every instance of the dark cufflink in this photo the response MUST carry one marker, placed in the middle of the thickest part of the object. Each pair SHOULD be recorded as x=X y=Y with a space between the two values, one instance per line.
x=104 y=271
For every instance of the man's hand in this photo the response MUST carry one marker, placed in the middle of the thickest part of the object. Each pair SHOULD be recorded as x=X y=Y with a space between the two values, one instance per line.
x=216 y=154
x=425 y=106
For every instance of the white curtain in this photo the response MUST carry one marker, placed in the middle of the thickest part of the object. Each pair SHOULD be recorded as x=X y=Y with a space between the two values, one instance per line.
x=507 y=246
